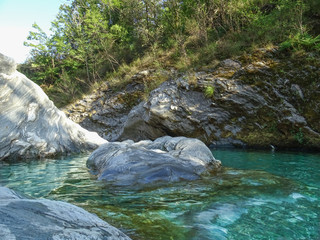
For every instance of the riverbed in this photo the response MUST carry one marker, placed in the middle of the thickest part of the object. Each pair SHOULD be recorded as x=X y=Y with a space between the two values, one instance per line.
x=257 y=195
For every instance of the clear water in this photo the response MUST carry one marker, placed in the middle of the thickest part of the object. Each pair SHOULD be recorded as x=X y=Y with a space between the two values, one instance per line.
x=258 y=195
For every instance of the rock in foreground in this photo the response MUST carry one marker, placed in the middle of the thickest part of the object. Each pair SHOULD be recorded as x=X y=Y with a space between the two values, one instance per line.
x=31 y=126
x=23 y=218
x=164 y=160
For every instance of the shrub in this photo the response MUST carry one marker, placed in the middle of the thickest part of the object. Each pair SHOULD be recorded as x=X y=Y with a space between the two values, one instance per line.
x=209 y=91
x=301 y=41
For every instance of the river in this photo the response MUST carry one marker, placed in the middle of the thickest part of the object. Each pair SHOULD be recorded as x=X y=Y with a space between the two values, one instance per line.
x=257 y=195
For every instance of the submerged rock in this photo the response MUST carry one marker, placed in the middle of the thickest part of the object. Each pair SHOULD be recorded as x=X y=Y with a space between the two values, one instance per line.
x=23 y=218
x=164 y=160
x=31 y=126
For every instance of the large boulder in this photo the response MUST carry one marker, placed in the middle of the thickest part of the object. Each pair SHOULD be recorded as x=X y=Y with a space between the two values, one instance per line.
x=23 y=218
x=31 y=126
x=143 y=163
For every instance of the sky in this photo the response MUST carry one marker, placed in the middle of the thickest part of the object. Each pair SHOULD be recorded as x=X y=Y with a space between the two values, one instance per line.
x=16 y=19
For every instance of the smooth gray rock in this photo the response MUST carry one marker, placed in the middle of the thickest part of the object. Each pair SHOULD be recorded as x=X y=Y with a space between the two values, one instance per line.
x=29 y=219
x=31 y=126
x=176 y=111
x=148 y=162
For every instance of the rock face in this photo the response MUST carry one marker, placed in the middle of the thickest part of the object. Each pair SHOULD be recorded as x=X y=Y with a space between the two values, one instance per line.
x=23 y=218
x=105 y=111
x=31 y=126
x=256 y=101
x=143 y=163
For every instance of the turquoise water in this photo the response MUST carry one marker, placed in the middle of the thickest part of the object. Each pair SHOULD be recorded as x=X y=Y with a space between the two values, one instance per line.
x=257 y=195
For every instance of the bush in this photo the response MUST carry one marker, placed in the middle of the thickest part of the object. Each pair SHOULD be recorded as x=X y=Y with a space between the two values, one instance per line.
x=301 y=42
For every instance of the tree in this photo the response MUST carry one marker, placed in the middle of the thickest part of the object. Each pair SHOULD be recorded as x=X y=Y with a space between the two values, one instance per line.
x=43 y=65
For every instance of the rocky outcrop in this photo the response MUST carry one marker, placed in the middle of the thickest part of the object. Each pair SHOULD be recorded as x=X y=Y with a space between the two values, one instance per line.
x=147 y=163
x=106 y=109
x=257 y=100
x=23 y=218
x=31 y=126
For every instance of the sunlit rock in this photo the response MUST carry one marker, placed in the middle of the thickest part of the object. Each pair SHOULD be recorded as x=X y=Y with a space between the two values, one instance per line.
x=23 y=218
x=31 y=126
x=164 y=160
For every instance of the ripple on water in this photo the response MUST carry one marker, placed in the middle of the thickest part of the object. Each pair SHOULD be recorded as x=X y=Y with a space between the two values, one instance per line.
x=258 y=195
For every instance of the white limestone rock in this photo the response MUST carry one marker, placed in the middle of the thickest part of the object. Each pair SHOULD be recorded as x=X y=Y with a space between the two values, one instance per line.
x=31 y=126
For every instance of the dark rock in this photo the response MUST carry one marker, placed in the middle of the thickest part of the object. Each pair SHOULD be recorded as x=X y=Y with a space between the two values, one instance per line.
x=106 y=112
x=253 y=104
x=259 y=99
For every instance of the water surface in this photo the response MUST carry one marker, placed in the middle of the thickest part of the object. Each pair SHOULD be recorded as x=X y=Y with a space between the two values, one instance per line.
x=257 y=195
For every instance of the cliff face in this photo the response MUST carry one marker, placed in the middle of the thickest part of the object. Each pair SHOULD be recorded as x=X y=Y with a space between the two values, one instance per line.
x=31 y=126
x=255 y=100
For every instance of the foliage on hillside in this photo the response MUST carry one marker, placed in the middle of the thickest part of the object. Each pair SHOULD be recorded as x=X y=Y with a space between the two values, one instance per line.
x=92 y=38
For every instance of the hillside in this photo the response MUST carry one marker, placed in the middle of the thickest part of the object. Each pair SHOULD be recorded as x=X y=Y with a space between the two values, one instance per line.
x=247 y=69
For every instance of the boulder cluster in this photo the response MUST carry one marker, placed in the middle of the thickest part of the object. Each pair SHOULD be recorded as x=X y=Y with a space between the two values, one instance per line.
x=257 y=100
x=32 y=127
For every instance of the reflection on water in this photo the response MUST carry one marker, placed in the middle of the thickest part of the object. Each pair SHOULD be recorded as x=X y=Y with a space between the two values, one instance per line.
x=258 y=195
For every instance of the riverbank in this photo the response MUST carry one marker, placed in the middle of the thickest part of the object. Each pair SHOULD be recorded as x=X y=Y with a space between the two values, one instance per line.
x=267 y=98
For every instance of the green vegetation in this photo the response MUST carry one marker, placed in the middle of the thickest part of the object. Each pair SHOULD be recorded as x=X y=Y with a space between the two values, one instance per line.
x=302 y=41
x=209 y=91
x=92 y=39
